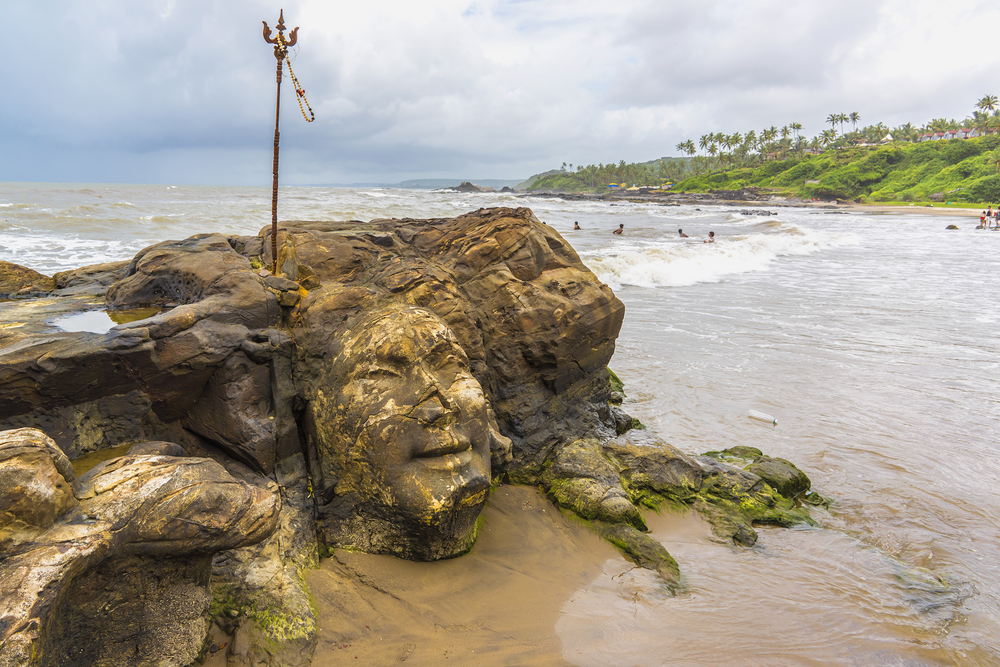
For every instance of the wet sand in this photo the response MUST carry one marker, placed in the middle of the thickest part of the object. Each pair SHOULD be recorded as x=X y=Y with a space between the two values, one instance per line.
x=497 y=605
x=918 y=209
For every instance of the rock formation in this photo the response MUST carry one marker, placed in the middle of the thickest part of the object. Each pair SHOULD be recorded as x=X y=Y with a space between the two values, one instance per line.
x=113 y=568
x=379 y=383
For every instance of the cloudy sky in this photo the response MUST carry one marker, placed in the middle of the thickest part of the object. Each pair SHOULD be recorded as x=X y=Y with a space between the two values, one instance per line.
x=182 y=91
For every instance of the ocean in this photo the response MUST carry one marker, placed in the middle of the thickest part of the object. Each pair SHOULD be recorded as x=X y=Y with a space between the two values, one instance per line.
x=870 y=338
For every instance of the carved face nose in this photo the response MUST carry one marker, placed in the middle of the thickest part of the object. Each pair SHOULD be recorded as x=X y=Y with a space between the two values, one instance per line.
x=434 y=411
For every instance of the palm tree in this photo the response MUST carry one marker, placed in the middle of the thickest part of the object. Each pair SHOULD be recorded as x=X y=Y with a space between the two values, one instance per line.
x=854 y=117
x=796 y=127
x=993 y=157
x=828 y=137
x=841 y=118
x=988 y=103
x=833 y=119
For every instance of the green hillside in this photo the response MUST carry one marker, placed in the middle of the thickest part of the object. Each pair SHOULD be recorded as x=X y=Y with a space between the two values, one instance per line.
x=595 y=178
x=958 y=170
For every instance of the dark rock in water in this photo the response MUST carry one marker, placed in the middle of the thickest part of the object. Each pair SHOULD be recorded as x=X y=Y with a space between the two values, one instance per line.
x=506 y=189
x=739 y=455
x=733 y=500
x=782 y=475
x=952 y=227
x=645 y=551
x=466 y=186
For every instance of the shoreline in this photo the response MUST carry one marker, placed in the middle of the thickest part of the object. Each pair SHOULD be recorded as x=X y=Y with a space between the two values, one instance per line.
x=694 y=199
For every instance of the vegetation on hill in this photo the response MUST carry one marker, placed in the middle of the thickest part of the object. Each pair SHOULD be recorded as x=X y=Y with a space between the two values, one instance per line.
x=874 y=163
x=963 y=170
x=596 y=178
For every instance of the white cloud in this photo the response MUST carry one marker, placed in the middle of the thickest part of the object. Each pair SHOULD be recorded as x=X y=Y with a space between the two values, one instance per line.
x=125 y=90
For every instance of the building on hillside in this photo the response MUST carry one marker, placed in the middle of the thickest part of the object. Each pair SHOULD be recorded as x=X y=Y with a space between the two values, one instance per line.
x=961 y=133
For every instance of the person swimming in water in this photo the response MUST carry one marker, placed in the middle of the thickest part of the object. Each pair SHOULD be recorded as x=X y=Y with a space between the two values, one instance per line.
x=576 y=225
x=621 y=228
x=711 y=238
x=681 y=232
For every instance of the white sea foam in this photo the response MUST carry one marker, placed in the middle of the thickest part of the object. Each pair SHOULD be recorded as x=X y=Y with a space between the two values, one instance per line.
x=686 y=262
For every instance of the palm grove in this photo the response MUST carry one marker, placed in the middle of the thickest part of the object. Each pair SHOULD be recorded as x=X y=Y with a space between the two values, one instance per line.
x=719 y=151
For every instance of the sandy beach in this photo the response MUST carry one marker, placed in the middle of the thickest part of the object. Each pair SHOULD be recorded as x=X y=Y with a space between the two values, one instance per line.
x=916 y=209
x=497 y=605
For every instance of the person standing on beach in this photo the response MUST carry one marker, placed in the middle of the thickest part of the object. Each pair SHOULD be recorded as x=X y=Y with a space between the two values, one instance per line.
x=681 y=232
x=711 y=238
x=621 y=228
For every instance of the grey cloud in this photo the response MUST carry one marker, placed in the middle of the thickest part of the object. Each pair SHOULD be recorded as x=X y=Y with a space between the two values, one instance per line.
x=124 y=90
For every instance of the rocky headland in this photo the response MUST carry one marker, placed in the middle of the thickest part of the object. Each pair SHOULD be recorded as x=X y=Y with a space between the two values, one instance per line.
x=233 y=427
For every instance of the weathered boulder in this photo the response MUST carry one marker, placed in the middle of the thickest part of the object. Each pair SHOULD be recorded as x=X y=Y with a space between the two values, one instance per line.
x=782 y=475
x=119 y=573
x=19 y=281
x=260 y=596
x=580 y=478
x=466 y=186
x=648 y=463
x=37 y=486
x=734 y=499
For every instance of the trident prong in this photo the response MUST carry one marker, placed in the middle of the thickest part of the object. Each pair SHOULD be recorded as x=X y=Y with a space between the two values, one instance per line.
x=280 y=39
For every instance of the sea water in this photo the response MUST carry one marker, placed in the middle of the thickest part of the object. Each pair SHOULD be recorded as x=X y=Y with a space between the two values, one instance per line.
x=870 y=339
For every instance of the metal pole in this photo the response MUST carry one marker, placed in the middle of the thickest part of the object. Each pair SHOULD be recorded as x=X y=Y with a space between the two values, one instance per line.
x=280 y=52
x=274 y=184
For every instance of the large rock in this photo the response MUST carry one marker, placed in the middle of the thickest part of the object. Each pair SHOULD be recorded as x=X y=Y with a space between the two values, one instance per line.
x=19 y=281
x=113 y=568
x=382 y=382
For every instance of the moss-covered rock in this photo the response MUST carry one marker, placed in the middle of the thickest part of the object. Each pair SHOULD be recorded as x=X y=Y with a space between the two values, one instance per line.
x=739 y=455
x=617 y=389
x=733 y=500
x=786 y=479
x=645 y=551
x=647 y=462
x=581 y=479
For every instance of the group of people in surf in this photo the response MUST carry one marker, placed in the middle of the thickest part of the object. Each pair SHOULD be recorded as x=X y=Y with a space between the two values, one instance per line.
x=621 y=230
x=989 y=219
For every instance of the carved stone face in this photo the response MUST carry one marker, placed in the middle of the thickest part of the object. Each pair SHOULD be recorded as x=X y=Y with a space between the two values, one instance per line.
x=409 y=441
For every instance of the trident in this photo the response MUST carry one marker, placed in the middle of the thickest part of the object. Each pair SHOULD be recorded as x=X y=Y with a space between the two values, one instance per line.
x=280 y=53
